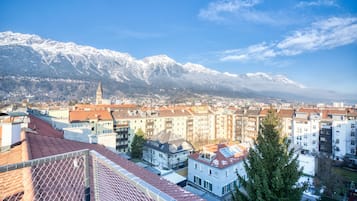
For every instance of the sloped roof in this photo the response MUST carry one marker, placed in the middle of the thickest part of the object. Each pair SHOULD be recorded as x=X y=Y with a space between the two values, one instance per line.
x=42 y=146
x=11 y=182
x=287 y=113
x=89 y=115
x=219 y=159
x=167 y=143
x=43 y=128
x=103 y=106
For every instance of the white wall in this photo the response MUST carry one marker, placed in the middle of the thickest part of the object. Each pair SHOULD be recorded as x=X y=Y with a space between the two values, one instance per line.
x=308 y=163
x=161 y=159
x=11 y=134
x=218 y=177
x=306 y=134
x=108 y=140
x=339 y=138
x=80 y=134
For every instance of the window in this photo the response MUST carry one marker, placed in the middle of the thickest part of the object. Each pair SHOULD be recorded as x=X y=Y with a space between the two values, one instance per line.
x=337 y=141
x=210 y=172
x=352 y=151
x=197 y=180
x=207 y=185
x=352 y=125
x=352 y=142
x=196 y=166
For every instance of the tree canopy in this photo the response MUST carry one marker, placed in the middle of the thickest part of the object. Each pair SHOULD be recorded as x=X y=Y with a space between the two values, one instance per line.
x=272 y=168
x=137 y=144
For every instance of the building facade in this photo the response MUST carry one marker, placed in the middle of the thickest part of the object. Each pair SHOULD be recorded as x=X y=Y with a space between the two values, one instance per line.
x=215 y=168
x=166 y=152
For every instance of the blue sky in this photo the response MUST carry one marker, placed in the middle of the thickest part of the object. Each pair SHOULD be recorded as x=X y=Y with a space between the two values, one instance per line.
x=311 y=42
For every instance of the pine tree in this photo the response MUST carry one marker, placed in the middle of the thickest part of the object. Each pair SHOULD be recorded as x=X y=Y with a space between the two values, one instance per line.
x=271 y=167
x=137 y=144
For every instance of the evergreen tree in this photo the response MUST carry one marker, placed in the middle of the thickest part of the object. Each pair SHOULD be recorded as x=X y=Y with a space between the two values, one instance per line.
x=271 y=167
x=137 y=144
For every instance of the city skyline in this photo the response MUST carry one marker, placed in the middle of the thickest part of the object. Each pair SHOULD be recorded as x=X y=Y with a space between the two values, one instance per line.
x=311 y=42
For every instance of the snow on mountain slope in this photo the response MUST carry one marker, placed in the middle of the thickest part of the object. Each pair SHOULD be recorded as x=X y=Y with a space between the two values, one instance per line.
x=69 y=59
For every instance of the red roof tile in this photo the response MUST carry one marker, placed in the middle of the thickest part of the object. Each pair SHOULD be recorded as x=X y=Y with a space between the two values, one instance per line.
x=219 y=160
x=287 y=113
x=103 y=106
x=41 y=146
x=11 y=182
x=89 y=115
x=43 y=128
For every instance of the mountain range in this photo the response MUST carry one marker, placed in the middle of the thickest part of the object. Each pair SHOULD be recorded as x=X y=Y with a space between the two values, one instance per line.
x=31 y=66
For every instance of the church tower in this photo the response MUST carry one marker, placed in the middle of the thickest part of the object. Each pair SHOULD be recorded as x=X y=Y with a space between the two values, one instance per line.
x=99 y=94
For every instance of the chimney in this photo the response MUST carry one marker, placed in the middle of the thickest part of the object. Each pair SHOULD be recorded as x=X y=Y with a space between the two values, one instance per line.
x=10 y=134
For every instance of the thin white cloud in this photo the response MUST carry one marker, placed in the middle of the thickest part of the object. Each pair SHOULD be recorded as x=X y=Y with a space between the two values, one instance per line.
x=216 y=10
x=303 y=4
x=326 y=34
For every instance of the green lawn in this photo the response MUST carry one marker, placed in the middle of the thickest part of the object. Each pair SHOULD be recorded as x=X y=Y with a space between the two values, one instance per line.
x=347 y=174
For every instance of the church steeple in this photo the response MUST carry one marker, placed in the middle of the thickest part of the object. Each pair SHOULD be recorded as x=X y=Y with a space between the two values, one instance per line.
x=99 y=94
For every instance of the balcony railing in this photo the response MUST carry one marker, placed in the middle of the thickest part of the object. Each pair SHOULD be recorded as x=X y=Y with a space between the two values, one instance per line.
x=68 y=177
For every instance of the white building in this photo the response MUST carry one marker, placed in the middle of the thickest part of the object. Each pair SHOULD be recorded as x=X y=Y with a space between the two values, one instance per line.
x=339 y=136
x=166 y=152
x=215 y=168
x=305 y=127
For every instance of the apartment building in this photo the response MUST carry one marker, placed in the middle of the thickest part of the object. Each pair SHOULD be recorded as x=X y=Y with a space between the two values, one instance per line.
x=246 y=125
x=166 y=151
x=305 y=126
x=352 y=132
x=203 y=124
x=215 y=168
x=339 y=137
x=121 y=128
x=325 y=137
x=223 y=124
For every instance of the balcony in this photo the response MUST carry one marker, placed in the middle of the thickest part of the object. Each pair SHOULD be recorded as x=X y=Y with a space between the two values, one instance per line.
x=79 y=175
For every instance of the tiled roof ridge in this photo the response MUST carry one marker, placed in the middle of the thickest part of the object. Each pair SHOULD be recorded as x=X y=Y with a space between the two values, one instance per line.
x=26 y=155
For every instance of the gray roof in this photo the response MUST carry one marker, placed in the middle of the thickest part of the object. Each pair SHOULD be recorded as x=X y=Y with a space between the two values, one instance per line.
x=164 y=142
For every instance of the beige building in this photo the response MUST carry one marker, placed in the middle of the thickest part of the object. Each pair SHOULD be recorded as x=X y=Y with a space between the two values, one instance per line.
x=246 y=125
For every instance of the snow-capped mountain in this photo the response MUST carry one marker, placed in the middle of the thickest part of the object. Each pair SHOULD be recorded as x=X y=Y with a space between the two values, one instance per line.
x=32 y=56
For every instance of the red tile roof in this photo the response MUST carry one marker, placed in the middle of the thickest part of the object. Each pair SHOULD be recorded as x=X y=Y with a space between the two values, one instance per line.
x=11 y=182
x=89 y=115
x=324 y=111
x=43 y=128
x=286 y=113
x=103 y=106
x=41 y=146
x=219 y=160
